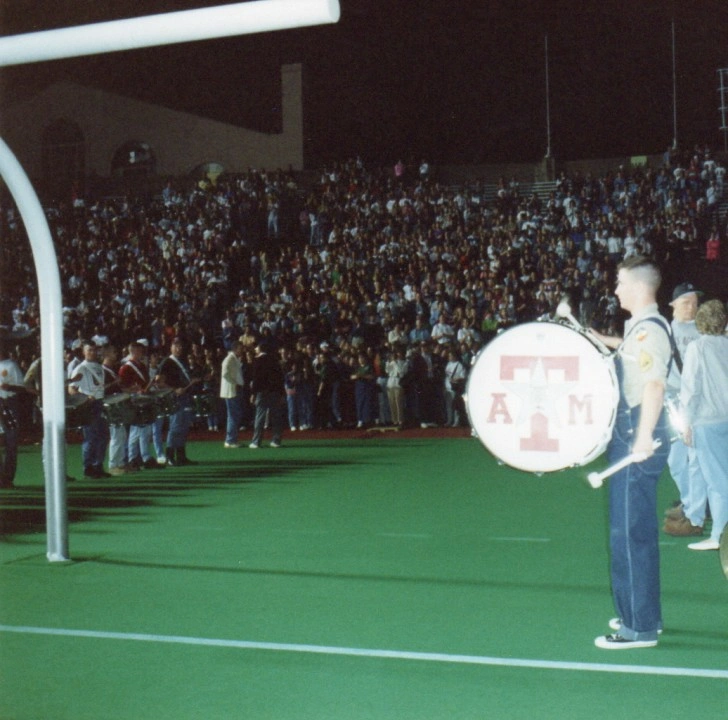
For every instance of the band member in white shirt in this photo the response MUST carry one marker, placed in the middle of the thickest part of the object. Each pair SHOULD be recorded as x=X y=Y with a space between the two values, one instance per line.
x=88 y=380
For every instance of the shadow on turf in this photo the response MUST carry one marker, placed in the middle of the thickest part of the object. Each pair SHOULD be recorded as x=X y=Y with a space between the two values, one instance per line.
x=484 y=582
x=23 y=509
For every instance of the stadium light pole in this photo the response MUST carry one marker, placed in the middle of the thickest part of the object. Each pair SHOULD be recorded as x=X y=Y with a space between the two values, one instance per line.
x=674 y=90
x=147 y=31
x=548 y=99
x=723 y=108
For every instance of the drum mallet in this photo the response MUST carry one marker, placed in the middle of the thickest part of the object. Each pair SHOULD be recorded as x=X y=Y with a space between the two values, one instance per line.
x=596 y=479
x=563 y=310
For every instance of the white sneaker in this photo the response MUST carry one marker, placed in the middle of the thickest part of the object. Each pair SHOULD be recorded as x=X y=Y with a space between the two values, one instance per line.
x=162 y=459
x=253 y=446
x=275 y=445
x=617 y=642
x=232 y=445
x=707 y=544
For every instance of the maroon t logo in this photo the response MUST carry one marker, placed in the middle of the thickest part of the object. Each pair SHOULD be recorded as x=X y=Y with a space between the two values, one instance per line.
x=541 y=396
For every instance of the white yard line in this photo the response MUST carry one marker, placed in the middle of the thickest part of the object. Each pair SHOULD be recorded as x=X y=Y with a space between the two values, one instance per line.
x=373 y=653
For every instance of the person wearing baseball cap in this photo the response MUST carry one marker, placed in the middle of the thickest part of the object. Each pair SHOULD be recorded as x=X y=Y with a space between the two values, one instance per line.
x=685 y=289
x=682 y=460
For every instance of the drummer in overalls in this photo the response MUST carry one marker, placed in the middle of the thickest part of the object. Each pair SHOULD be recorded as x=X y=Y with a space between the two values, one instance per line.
x=642 y=360
x=175 y=373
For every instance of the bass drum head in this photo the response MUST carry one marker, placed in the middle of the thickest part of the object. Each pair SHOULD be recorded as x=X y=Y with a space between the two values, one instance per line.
x=724 y=552
x=541 y=397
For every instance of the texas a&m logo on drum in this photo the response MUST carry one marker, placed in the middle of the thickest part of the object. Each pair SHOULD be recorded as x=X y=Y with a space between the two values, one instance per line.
x=541 y=397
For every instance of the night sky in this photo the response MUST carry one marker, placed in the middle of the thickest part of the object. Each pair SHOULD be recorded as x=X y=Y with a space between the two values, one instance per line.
x=454 y=81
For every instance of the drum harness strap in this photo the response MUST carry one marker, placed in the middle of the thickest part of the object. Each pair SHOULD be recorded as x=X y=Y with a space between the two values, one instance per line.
x=136 y=370
x=182 y=368
x=659 y=320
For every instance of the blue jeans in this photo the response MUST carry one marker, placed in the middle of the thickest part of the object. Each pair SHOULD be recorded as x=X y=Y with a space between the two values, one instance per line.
x=633 y=530
x=269 y=404
x=711 y=450
x=364 y=393
x=306 y=395
x=179 y=424
x=157 y=436
x=93 y=447
x=140 y=438
x=295 y=411
x=686 y=473
x=234 y=408
x=117 y=445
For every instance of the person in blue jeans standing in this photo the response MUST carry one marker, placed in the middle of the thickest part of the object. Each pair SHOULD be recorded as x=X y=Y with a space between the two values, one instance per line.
x=231 y=386
x=365 y=389
x=175 y=373
x=643 y=358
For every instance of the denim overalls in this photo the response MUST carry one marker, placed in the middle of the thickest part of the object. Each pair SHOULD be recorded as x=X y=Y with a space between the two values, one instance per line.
x=635 y=560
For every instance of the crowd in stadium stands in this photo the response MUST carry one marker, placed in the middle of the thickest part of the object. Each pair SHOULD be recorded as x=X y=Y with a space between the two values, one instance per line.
x=377 y=288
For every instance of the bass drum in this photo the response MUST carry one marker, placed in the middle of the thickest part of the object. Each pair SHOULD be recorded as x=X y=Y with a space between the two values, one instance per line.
x=541 y=397
x=724 y=552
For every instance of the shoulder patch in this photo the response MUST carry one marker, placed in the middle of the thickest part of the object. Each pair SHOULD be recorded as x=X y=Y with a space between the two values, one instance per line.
x=641 y=335
x=645 y=361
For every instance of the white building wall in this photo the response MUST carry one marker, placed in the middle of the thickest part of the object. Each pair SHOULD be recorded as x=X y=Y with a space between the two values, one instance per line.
x=180 y=141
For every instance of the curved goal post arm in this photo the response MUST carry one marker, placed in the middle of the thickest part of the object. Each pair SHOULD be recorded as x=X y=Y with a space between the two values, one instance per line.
x=51 y=346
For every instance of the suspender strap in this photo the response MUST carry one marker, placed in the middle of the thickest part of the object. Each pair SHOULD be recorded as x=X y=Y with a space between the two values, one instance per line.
x=673 y=345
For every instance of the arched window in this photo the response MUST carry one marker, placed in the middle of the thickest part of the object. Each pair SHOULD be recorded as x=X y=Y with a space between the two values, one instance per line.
x=207 y=173
x=133 y=159
x=63 y=153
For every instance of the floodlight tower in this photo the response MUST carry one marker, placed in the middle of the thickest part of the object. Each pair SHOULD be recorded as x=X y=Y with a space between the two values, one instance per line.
x=723 y=107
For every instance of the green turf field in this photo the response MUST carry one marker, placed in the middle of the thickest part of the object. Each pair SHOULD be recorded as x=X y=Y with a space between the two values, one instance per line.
x=381 y=578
